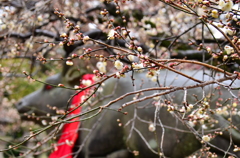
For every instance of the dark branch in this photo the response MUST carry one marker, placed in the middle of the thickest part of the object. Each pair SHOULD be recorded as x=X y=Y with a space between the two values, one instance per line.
x=37 y=32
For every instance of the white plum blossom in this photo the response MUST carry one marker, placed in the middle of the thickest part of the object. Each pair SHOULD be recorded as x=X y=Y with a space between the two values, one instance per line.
x=137 y=66
x=206 y=138
x=225 y=5
x=54 y=118
x=222 y=111
x=101 y=66
x=76 y=87
x=218 y=24
x=40 y=18
x=154 y=79
x=118 y=75
x=236 y=149
x=85 y=39
x=29 y=45
x=100 y=90
x=111 y=34
x=190 y=106
x=225 y=113
x=225 y=57
x=69 y=63
x=44 y=122
x=63 y=35
x=209 y=50
x=230 y=31
x=125 y=33
x=118 y=64
x=86 y=82
x=191 y=123
x=70 y=143
x=152 y=74
x=3 y=26
x=234 y=104
x=139 y=49
x=215 y=13
x=219 y=111
x=204 y=126
x=229 y=49
x=151 y=127
x=131 y=57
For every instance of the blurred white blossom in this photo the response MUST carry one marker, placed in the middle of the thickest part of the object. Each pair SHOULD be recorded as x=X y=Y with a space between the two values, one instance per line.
x=206 y=138
x=86 y=82
x=215 y=13
x=225 y=5
x=118 y=64
x=101 y=66
x=85 y=39
x=137 y=66
x=229 y=49
x=230 y=31
x=69 y=63
x=151 y=127
x=111 y=34
x=131 y=57
x=118 y=74
x=139 y=49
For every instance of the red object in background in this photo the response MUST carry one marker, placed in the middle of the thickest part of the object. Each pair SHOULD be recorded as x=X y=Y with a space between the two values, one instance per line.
x=70 y=131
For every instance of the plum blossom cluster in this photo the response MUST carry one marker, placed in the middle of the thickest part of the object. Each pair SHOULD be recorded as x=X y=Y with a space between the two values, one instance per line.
x=126 y=26
x=195 y=116
x=226 y=110
x=225 y=5
x=102 y=66
x=222 y=15
x=152 y=74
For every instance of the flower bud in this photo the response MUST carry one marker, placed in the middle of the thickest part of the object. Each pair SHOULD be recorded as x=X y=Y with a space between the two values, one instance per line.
x=69 y=63
x=139 y=49
x=151 y=127
x=85 y=39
